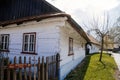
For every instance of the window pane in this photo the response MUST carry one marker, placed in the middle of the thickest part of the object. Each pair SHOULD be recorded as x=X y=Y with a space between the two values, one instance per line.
x=2 y=46
x=31 y=47
x=26 y=38
x=31 y=38
x=2 y=39
x=26 y=47
x=5 y=46
x=70 y=45
x=26 y=42
x=6 y=39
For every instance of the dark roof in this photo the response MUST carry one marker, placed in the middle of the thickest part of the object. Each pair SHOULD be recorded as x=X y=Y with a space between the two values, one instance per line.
x=15 y=9
x=19 y=11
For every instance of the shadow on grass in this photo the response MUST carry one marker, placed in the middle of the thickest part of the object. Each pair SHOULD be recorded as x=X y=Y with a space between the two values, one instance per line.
x=84 y=67
x=80 y=71
x=95 y=67
x=103 y=64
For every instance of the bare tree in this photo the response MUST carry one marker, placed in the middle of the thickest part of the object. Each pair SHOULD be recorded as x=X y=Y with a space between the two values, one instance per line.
x=115 y=32
x=100 y=26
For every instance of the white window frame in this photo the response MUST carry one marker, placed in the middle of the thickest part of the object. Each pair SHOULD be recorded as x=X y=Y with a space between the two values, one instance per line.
x=28 y=42
x=5 y=43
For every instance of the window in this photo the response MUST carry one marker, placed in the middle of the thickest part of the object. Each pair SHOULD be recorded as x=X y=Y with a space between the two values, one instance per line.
x=70 y=46
x=29 y=40
x=4 y=42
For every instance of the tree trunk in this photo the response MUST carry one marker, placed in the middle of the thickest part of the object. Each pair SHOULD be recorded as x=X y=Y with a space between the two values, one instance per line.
x=100 y=59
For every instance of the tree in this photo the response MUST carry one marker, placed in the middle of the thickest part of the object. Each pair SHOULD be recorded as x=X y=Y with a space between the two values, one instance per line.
x=115 y=32
x=100 y=27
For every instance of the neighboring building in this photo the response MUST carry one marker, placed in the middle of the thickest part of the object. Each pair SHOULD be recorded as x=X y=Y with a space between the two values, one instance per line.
x=93 y=45
x=108 y=43
x=36 y=28
x=116 y=45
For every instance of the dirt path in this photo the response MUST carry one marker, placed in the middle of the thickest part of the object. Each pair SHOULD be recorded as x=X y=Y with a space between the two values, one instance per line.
x=117 y=60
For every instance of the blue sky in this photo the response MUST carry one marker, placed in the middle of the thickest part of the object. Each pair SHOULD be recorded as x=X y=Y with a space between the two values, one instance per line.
x=81 y=10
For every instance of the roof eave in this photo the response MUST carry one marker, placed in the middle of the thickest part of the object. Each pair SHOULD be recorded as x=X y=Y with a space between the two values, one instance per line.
x=78 y=28
x=37 y=18
x=40 y=17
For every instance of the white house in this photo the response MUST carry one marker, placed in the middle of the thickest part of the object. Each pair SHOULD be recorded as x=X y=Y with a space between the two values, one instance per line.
x=94 y=45
x=37 y=28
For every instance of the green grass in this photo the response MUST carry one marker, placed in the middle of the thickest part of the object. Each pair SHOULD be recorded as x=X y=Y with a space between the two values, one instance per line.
x=93 y=69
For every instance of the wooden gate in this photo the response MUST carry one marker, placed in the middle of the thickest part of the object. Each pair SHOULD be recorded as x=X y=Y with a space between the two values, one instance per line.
x=43 y=68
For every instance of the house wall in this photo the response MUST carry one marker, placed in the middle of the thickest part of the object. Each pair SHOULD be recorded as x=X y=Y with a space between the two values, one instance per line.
x=69 y=62
x=52 y=36
x=47 y=36
x=94 y=48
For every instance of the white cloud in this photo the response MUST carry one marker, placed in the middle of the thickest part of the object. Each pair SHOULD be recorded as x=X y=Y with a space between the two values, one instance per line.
x=82 y=10
x=95 y=5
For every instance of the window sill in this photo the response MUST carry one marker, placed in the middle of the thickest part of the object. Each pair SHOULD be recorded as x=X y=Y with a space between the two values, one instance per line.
x=4 y=51
x=70 y=54
x=29 y=53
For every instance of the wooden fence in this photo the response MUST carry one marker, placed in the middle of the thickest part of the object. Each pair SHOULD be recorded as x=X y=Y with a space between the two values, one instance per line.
x=45 y=68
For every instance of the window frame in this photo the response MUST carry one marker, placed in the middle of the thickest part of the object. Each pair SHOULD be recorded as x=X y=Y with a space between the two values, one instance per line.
x=8 y=36
x=71 y=52
x=34 y=45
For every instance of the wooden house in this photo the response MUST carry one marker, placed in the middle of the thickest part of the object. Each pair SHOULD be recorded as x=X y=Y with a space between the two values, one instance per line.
x=37 y=28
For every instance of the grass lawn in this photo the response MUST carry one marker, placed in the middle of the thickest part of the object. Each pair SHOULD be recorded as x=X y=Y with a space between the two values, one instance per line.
x=92 y=69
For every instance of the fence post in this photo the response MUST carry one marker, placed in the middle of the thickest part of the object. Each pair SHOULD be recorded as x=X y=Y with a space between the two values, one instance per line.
x=57 y=65
x=43 y=68
x=2 y=70
x=34 y=69
x=30 y=68
x=54 y=75
x=25 y=73
x=14 y=70
x=47 y=59
x=8 y=70
x=20 y=70
x=39 y=77
x=52 y=67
